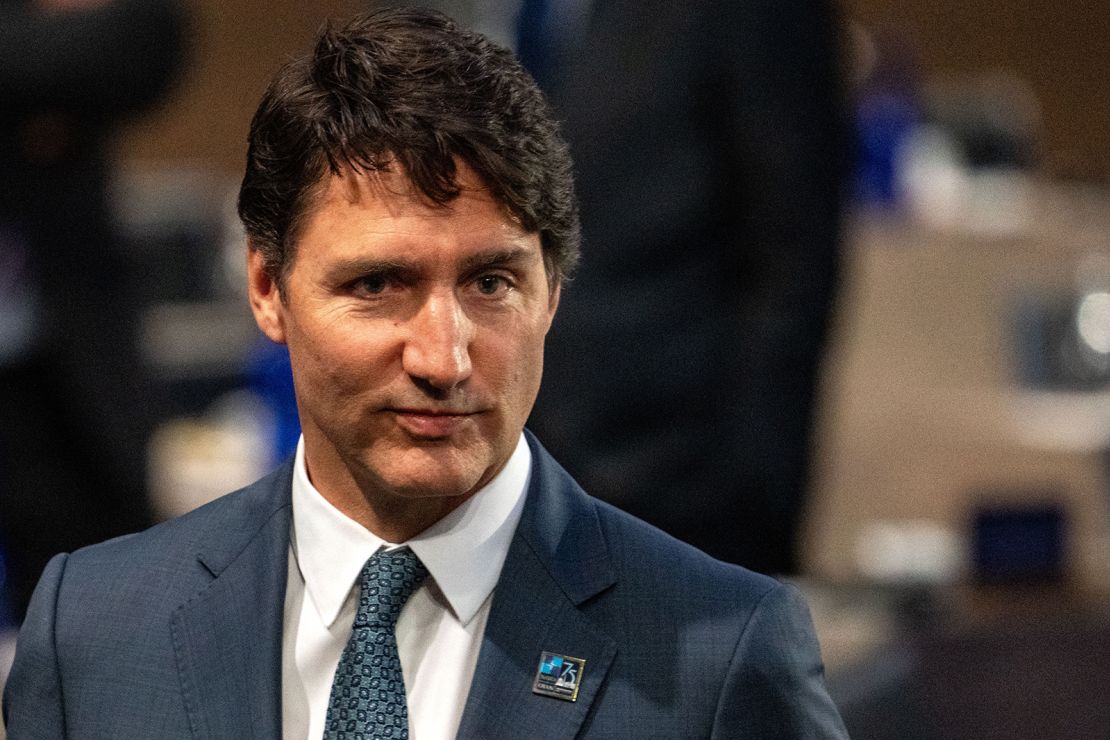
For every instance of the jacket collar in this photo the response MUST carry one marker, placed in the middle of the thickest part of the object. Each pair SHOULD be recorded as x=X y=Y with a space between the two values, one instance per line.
x=558 y=561
x=227 y=638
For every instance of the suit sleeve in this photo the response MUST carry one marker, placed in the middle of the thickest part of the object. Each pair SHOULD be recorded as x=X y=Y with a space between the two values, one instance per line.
x=33 y=707
x=776 y=687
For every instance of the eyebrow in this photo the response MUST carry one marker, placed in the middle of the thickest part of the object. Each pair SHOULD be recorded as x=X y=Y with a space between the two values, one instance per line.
x=363 y=267
x=495 y=258
x=369 y=266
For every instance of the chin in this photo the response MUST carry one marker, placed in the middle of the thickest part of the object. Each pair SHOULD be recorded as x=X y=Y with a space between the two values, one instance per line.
x=431 y=477
x=428 y=488
x=445 y=465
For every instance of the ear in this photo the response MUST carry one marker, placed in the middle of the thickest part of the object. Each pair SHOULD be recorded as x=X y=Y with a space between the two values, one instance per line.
x=553 y=302
x=265 y=297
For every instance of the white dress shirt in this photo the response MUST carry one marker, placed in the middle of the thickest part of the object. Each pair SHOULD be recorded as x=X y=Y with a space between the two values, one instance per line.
x=439 y=632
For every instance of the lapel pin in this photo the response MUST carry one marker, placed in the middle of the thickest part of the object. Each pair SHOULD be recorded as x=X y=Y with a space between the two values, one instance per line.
x=558 y=676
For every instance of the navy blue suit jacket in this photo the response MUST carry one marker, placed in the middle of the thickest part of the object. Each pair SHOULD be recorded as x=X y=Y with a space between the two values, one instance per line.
x=176 y=632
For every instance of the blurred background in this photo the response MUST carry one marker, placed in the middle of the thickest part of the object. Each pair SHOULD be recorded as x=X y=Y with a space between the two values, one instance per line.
x=950 y=521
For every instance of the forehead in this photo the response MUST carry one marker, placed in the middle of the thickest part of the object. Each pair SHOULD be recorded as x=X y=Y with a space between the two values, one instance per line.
x=362 y=208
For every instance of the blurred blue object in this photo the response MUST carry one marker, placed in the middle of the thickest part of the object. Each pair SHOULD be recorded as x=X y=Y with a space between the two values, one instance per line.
x=1020 y=543
x=270 y=376
x=887 y=111
x=884 y=119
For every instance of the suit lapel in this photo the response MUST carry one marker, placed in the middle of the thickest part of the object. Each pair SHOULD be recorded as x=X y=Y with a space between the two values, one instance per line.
x=228 y=638
x=558 y=560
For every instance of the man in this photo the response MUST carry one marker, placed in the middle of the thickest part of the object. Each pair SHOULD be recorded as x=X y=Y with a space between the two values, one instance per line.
x=411 y=219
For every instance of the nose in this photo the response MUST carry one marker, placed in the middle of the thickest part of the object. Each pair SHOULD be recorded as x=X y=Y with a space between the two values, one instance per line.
x=437 y=350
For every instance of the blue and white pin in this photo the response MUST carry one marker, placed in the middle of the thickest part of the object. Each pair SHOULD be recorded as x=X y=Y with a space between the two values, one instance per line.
x=559 y=676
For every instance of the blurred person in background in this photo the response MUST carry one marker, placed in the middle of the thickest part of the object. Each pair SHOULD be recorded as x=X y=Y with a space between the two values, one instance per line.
x=709 y=142
x=74 y=411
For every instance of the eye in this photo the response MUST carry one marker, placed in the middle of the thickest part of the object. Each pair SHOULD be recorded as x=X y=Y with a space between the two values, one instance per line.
x=371 y=284
x=491 y=284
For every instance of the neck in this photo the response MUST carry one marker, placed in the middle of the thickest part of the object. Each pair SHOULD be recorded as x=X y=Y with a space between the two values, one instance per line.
x=393 y=518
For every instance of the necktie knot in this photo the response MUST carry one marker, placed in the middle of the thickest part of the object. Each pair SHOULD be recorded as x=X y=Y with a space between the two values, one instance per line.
x=386 y=582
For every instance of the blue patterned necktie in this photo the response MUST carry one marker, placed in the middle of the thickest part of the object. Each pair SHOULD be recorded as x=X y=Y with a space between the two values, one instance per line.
x=368 y=692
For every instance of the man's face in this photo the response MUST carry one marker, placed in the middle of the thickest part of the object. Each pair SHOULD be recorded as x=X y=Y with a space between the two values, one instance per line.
x=416 y=338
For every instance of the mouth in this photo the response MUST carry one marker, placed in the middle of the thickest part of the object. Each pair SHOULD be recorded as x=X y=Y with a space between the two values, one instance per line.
x=430 y=424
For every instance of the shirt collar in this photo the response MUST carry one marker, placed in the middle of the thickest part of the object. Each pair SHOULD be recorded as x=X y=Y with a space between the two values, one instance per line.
x=463 y=552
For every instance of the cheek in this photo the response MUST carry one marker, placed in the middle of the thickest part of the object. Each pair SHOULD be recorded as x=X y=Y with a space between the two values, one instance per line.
x=514 y=361
x=340 y=363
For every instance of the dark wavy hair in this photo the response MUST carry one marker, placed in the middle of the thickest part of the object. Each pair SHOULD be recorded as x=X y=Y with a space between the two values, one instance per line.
x=406 y=87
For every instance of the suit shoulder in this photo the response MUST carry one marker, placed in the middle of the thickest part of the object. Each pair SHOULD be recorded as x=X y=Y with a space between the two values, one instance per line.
x=177 y=540
x=649 y=556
